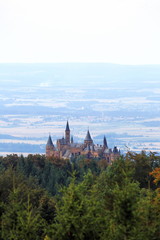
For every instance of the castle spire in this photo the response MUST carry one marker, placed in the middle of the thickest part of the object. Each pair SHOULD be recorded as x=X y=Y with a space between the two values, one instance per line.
x=50 y=147
x=88 y=139
x=88 y=136
x=105 y=142
x=67 y=126
x=49 y=142
x=67 y=133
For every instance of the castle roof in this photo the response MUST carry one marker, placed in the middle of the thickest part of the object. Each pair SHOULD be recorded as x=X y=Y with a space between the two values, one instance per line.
x=62 y=141
x=115 y=150
x=67 y=126
x=50 y=143
x=107 y=151
x=88 y=136
x=67 y=154
x=76 y=145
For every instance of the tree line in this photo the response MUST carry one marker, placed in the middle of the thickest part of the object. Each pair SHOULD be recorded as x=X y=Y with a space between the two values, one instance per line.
x=57 y=199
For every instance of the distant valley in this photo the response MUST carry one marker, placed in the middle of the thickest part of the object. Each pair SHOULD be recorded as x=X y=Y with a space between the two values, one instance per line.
x=121 y=102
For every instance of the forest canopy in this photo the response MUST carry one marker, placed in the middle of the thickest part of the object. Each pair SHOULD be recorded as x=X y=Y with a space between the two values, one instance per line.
x=80 y=199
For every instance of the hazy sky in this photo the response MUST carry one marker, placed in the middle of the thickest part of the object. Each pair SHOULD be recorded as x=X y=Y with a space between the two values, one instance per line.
x=115 y=31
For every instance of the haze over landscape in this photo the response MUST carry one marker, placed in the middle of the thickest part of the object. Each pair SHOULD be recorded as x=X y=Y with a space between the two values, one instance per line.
x=121 y=102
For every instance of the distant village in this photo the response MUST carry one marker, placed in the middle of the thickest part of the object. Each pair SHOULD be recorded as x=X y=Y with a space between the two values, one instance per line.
x=66 y=148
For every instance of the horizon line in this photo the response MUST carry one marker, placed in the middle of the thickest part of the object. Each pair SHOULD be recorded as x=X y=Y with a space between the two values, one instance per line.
x=110 y=63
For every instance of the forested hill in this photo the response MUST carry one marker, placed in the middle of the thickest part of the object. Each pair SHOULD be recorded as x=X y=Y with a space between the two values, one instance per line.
x=84 y=199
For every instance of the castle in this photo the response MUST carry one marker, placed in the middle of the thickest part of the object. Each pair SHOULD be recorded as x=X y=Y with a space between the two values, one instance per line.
x=67 y=149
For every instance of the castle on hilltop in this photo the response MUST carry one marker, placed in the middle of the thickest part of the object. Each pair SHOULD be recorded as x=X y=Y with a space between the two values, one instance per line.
x=67 y=149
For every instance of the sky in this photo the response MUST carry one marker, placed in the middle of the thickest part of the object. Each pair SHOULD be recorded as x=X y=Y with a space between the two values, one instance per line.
x=110 y=31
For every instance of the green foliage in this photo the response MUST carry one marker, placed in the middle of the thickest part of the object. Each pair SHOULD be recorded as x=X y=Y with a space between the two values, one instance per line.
x=143 y=163
x=77 y=212
x=147 y=225
x=92 y=201
x=21 y=220
x=26 y=209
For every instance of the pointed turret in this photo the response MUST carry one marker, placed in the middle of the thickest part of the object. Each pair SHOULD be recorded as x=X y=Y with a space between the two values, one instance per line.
x=88 y=136
x=115 y=150
x=49 y=142
x=67 y=133
x=67 y=126
x=88 y=139
x=105 y=143
x=50 y=147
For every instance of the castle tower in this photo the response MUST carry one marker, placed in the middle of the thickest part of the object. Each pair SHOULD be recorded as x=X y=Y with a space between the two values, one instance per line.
x=105 y=143
x=50 y=147
x=67 y=134
x=88 y=140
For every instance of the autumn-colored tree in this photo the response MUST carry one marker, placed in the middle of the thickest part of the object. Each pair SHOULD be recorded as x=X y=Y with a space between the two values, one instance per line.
x=156 y=174
x=143 y=164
